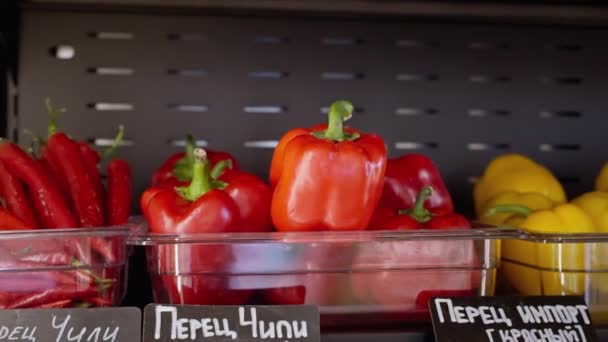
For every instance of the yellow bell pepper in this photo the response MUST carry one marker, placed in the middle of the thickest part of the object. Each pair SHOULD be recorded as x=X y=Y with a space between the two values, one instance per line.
x=531 y=200
x=515 y=172
x=601 y=182
x=595 y=204
x=551 y=268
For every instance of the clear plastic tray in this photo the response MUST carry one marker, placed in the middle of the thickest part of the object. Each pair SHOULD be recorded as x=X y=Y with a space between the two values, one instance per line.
x=555 y=265
x=356 y=278
x=60 y=268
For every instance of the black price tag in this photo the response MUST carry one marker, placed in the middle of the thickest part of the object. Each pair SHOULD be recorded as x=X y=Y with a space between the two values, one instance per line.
x=74 y=325
x=511 y=319
x=231 y=323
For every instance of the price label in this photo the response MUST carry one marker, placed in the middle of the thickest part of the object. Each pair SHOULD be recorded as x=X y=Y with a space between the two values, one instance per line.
x=511 y=319
x=74 y=325
x=231 y=323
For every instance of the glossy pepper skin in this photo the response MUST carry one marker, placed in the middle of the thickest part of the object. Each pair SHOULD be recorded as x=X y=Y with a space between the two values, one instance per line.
x=515 y=172
x=327 y=179
x=416 y=217
x=8 y=221
x=201 y=207
x=118 y=197
x=406 y=176
x=601 y=182
x=198 y=208
x=537 y=268
x=16 y=198
x=49 y=204
x=177 y=169
x=595 y=204
x=86 y=200
x=531 y=200
x=242 y=191
x=251 y=195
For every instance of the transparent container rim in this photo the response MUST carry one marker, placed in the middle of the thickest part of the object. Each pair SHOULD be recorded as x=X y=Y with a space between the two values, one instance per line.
x=114 y=231
x=141 y=237
x=597 y=237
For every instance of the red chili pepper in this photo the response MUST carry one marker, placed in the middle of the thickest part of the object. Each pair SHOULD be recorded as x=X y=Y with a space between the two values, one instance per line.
x=9 y=221
x=51 y=208
x=24 y=261
x=178 y=167
x=91 y=156
x=53 y=295
x=119 y=192
x=198 y=208
x=91 y=159
x=416 y=217
x=86 y=200
x=60 y=304
x=58 y=258
x=16 y=199
x=52 y=164
x=404 y=179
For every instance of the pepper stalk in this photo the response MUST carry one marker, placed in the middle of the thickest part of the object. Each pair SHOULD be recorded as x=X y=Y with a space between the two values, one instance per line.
x=339 y=111
x=419 y=212
x=201 y=177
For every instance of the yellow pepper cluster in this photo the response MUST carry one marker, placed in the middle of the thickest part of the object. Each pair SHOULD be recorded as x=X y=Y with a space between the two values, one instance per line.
x=516 y=191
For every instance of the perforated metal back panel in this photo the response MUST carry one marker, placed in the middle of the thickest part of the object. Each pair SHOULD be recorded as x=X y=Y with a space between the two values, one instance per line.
x=460 y=93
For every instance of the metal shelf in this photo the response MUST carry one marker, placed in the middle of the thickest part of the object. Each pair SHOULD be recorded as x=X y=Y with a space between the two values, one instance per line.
x=587 y=13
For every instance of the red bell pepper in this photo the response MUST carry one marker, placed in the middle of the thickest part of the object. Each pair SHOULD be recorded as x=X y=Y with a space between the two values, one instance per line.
x=416 y=217
x=198 y=208
x=119 y=192
x=404 y=179
x=51 y=208
x=177 y=169
x=201 y=207
x=251 y=195
x=16 y=199
x=327 y=179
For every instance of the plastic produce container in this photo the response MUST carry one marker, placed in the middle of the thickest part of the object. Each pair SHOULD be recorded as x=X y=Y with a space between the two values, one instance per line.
x=556 y=265
x=62 y=268
x=356 y=278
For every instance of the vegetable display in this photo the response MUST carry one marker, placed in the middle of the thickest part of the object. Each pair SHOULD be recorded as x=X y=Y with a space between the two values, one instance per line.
x=515 y=191
x=61 y=187
x=328 y=177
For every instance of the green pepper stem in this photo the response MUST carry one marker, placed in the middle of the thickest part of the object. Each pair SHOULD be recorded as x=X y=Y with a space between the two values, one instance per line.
x=53 y=115
x=339 y=111
x=190 y=146
x=36 y=144
x=201 y=177
x=220 y=167
x=182 y=170
x=516 y=209
x=419 y=212
x=111 y=150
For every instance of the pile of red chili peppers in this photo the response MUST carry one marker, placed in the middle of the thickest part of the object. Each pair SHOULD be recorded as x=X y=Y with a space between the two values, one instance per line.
x=59 y=185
